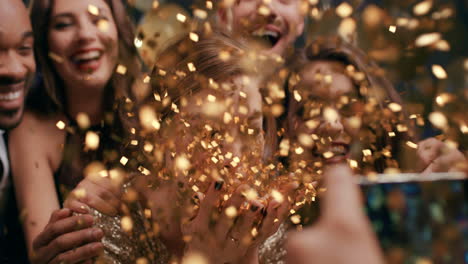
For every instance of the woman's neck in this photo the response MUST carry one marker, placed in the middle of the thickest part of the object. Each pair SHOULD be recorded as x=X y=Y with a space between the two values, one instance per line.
x=88 y=101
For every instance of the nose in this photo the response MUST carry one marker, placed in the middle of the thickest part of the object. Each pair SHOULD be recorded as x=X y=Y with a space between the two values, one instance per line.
x=273 y=11
x=12 y=67
x=331 y=128
x=87 y=31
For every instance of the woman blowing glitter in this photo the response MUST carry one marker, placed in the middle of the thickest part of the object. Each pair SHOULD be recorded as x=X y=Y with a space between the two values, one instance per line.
x=79 y=45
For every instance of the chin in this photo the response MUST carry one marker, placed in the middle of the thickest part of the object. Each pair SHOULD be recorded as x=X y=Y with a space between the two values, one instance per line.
x=10 y=120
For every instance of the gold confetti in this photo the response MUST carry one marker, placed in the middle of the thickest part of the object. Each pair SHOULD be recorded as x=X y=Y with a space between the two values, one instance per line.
x=92 y=140
x=250 y=194
x=142 y=261
x=126 y=223
x=79 y=193
x=427 y=39
x=55 y=57
x=297 y=96
x=123 y=160
x=209 y=5
x=254 y=232
x=295 y=219
x=83 y=120
x=438 y=120
x=422 y=8
x=182 y=163
x=367 y=152
x=394 y=107
x=199 y=13
x=328 y=154
x=330 y=114
x=155 y=4
x=353 y=164
x=264 y=10
x=147 y=117
x=344 y=10
x=391 y=134
x=439 y=72
x=194 y=258
x=299 y=150
x=181 y=17
x=194 y=37
x=347 y=28
x=231 y=211
x=305 y=140
x=411 y=144
x=138 y=43
x=277 y=196
x=392 y=28
x=121 y=69
x=60 y=125
x=191 y=67
x=93 y=10
x=224 y=55
x=103 y=25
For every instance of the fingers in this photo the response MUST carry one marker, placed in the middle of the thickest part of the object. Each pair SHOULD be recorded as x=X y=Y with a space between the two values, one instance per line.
x=76 y=206
x=225 y=221
x=60 y=227
x=209 y=204
x=342 y=198
x=429 y=149
x=59 y=214
x=84 y=253
x=108 y=207
x=72 y=240
x=242 y=230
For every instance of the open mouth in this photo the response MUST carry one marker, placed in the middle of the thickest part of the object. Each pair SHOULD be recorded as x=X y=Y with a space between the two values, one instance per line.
x=87 y=60
x=269 y=37
x=331 y=151
x=10 y=96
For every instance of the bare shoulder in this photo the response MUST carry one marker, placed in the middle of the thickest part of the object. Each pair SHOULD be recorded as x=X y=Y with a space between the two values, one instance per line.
x=38 y=135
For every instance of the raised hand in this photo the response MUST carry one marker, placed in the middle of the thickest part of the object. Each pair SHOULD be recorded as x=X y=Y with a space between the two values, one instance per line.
x=343 y=233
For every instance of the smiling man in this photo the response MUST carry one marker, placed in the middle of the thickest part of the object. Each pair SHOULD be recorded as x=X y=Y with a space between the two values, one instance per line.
x=17 y=67
x=275 y=23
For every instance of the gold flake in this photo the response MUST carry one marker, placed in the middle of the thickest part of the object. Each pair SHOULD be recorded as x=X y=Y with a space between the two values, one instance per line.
x=92 y=140
x=199 y=13
x=211 y=98
x=438 y=120
x=422 y=8
x=155 y=4
x=147 y=79
x=391 y=134
x=121 y=69
x=330 y=114
x=138 y=43
x=367 y=152
x=93 y=10
x=394 y=107
x=180 y=17
x=79 y=193
x=353 y=164
x=297 y=96
x=231 y=211
x=123 y=160
x=328 y=154
x=224 y=55
x=277 y=196
x=194 y=36
x=254 y=232
x=191 y=67
x=182 y=163
x=439 y=72
x=103 y=25
x=134 y=142
x=250 y=194
x=299 y=150
x=55 y=57
x=305 y=140
x=126 y=223
x=295 y=219
x=60 y=125
x=427 y=39
x=344 y=10
x=264 y=10
x=209 y=5
x=392 y=28
x=411 y=144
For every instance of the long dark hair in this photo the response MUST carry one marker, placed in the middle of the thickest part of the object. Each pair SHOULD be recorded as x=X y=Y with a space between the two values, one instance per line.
x=49 y=95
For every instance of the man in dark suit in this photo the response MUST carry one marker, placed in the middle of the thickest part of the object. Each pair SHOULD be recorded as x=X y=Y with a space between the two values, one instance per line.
x=17 y=68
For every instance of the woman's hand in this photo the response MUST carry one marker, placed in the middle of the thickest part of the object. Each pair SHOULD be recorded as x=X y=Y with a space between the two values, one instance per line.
x=435 y=156
x=231 y=233
x=95 y=191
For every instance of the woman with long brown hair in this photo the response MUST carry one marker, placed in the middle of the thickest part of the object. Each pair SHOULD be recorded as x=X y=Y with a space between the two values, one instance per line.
x=88 y=65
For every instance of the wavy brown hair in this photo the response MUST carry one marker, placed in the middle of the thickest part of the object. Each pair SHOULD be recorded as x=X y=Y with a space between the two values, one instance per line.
x=50 y=97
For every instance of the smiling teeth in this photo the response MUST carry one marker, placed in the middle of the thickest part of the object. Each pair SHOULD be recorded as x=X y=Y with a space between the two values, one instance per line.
x=338 y=149
x=10 y=96
x=87 y=56
x=262 y=32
